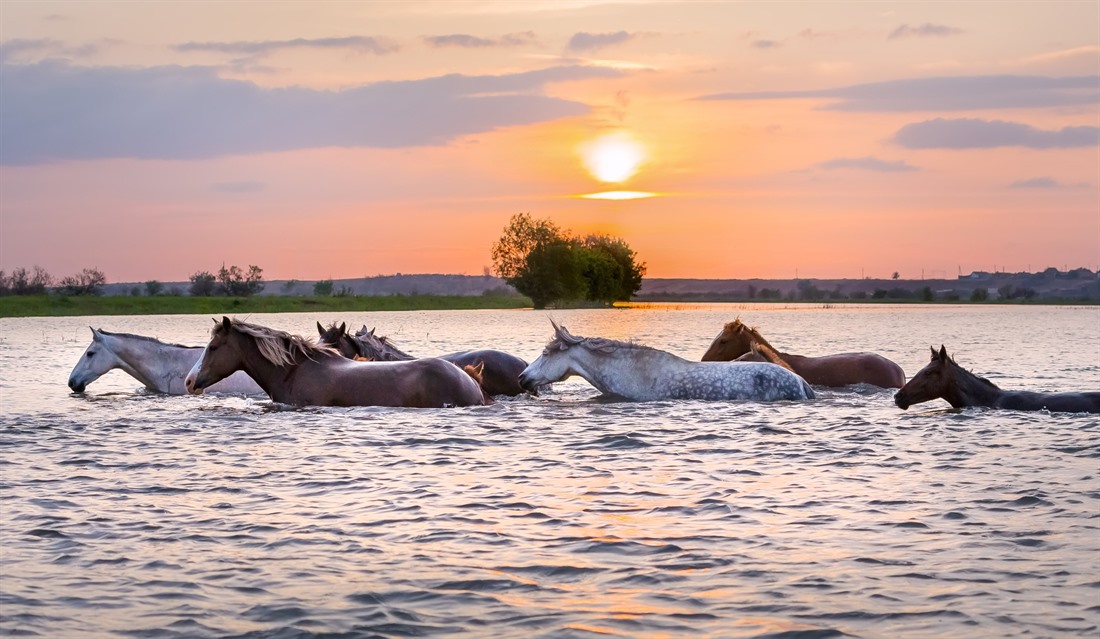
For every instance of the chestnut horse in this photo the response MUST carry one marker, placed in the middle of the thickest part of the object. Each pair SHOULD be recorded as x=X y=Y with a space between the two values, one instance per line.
x=293 y=370
x=841 y=369
x=943 y=378
x=500 y=373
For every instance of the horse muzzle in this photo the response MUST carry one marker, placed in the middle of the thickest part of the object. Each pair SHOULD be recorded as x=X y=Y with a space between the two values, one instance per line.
x=528 y=384
x=901 y=401
x=76 y=386
x=191 y=384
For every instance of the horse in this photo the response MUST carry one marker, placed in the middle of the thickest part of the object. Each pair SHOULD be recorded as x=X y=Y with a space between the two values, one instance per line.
x=943 y=378
x=840 y=369
x=640 y=373
x=500 y=375
x=293 y=370
x=159 y=366
x=763 y=353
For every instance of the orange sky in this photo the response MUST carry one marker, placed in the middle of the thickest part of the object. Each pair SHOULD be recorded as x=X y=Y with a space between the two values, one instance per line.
x=318 y=140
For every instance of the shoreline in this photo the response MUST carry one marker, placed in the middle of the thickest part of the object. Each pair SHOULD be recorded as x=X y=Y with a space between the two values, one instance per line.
x=53 y=305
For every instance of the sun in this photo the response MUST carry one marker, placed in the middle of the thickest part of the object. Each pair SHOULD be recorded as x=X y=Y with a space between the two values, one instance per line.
x=613 y=157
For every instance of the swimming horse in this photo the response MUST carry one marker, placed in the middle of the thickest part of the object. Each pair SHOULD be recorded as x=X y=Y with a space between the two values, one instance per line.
x=500 y=372
x=943 y=378
x=159 y=366
x=293 y=370
x=840 y=369
x=640 y=373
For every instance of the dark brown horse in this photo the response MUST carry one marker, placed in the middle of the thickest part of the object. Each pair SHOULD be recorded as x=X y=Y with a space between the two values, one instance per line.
x=293 y=370
x=500 y=373
x=840 y=369
x=943 y=378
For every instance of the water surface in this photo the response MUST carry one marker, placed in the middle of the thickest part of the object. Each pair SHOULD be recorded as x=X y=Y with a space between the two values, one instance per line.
x=126 y=514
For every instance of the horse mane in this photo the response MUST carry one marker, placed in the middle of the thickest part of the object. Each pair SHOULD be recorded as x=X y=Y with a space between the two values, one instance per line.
x=563 y=340
x=768 y=353
x=278 y=347
x=368 y=337
x=951 y=360
x=144 y=338
x=754 y=335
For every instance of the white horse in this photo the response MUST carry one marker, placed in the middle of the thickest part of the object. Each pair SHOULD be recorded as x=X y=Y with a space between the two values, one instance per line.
x=160 y=367
x=640 y=373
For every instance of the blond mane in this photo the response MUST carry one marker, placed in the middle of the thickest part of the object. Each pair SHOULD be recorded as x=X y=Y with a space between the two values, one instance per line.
x=278 y=347
x=763 y=349
x=737 y=327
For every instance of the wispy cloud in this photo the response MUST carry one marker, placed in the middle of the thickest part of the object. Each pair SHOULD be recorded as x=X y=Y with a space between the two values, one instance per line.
x=867 y=163
x=360 y=44
x=970 y=133
x=765 y=44
x=241 y=186
x=958 y=93
x=21 y=48
x=1044 y=183
x=474 y=42
x=56 y=111
x=923 y=31
x=583 y=41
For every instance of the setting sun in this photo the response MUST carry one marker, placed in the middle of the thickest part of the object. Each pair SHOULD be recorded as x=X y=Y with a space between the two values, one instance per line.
x=613 y=157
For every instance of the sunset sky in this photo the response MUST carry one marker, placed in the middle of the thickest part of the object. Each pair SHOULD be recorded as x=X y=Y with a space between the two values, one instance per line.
x=337 y=140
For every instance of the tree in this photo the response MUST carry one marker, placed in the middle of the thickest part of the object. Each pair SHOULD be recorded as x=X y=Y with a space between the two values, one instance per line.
x=979 y=295
x=202 y=284
x=89 y=281
x=153 y=288
x=234 y=281
x=895 y=276
x=547 y=264
x=323 y=288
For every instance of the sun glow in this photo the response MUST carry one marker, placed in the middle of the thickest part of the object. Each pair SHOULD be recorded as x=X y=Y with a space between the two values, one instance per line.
x=619 y=195
x=614 y=157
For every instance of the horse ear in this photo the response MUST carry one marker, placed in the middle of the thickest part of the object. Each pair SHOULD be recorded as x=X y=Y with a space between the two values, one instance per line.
x=344 y=328
x=943 y=352
x=320 y=329
x=96 y=337
x=226 y=322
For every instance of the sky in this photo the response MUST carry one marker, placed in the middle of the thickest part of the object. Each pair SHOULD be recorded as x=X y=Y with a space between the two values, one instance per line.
x=154 y=140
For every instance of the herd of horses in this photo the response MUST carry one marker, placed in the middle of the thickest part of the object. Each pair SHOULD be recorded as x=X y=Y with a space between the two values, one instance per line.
x=361 y=369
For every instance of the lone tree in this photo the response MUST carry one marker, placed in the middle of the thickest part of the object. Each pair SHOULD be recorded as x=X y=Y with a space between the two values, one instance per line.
x=89 y=281
x=548 y=264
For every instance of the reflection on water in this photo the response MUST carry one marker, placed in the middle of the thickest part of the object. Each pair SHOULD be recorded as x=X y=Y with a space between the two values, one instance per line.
x=135 y=515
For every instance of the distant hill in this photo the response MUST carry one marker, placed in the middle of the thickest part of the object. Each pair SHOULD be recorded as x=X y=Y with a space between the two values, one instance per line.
x=1049 y=284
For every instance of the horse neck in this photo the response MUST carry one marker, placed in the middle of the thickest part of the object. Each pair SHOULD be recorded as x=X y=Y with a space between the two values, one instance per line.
x=155 y=365
x=273 y=379
x=626 y=372
x=970 y=390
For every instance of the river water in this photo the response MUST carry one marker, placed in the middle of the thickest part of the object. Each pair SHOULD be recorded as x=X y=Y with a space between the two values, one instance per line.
x=125 y=514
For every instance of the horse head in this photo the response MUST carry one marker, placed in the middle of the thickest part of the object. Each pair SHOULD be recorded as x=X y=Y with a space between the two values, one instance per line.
x=97 y=359
x=732 y=342
x=337 y=337
x=931 y=382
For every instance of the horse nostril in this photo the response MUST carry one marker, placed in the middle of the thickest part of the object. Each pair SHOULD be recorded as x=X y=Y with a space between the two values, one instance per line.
x=76 y=387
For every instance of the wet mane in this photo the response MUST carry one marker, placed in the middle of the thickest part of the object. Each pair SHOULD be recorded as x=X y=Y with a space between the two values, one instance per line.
x=972 y=374
x=144 y=338
x=768 y=353
x=278 y=347
x=565 y=340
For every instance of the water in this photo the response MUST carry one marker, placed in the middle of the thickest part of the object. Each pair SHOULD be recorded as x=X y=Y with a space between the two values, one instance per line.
x=134 y=515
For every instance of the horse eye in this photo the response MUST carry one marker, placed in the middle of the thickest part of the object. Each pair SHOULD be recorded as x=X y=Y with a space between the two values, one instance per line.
x=89 y=354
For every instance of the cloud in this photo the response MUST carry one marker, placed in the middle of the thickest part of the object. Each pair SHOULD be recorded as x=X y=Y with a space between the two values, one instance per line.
x=591 y=41
x=766 y=44
x=867 y=163
x=473 y=42
x=947 y=93
x=970 y=133
x=54 y=111
x=923 y=31
x=361 y=44
x=20 y=48
x=241 y=186
x=1044 y=183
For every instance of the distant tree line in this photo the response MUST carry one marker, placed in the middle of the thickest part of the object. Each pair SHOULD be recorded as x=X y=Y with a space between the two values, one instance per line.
x=228 y=281
x=550 y=265
x=38 y=281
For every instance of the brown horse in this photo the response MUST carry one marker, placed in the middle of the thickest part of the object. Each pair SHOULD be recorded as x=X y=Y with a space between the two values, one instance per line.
x=943 y=378
x=763 y=353
x=292 y=370
x=500 y=373
x=841 y=369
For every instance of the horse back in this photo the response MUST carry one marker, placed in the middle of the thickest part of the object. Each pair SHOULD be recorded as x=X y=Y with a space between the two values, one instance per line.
x=1082 y=402
x=501 y=373
x=844 y=369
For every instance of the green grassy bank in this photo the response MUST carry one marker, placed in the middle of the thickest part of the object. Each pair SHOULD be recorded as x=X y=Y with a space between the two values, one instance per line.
x=57 y=305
